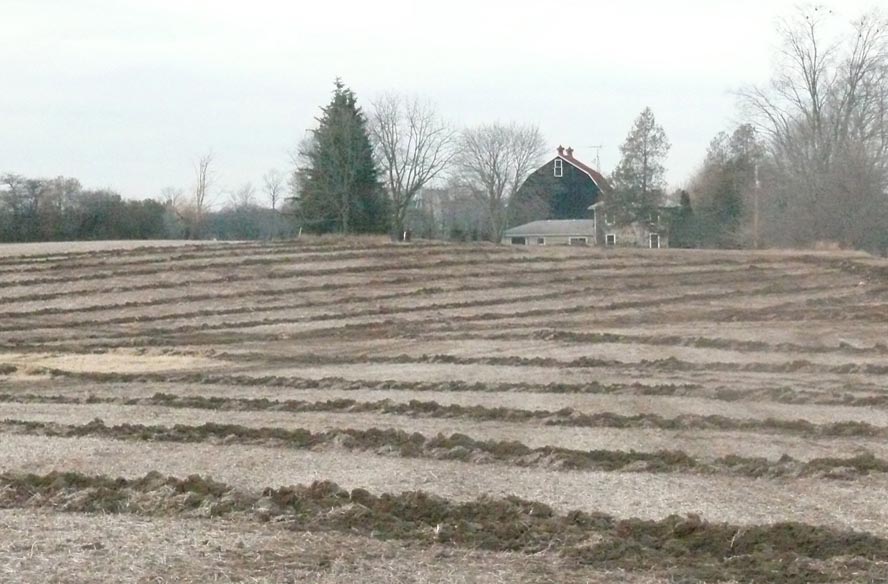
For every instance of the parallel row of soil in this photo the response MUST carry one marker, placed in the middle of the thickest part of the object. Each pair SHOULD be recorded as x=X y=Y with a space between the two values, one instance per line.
x=661 y=415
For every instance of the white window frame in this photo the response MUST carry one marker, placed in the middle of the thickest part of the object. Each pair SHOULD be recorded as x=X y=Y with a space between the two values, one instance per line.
x=651 y=240
x=541 y=240
x=610 y=240
x=608 y=218
x=513 y=240
x=571 y=240
x=559 y=168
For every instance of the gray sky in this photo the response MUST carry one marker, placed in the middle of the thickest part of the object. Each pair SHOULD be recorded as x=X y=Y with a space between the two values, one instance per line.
x=128 y=94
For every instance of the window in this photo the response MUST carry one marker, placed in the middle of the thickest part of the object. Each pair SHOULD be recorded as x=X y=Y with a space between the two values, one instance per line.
x=655 y=241
x=654 y=218
x=559 y=167
x=519 y=241
x=610 y=239
x=608 y=218
x=578 y=240
x=541 y=241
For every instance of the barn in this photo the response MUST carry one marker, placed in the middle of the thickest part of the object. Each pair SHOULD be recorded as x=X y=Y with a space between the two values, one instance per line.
x=563 y=188
x=565 y=202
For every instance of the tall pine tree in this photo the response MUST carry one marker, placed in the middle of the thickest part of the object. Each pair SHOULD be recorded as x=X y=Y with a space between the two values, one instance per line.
x=339 y=189
x=639 y=179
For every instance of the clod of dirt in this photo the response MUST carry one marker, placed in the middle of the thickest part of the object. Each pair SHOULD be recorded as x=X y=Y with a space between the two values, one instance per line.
x=682 y=548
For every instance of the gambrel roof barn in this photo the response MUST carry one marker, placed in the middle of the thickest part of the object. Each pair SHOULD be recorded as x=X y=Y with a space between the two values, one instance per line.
x=567 y=202
x=563 y=188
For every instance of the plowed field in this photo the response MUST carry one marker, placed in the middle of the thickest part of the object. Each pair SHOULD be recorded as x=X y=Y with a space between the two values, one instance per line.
x=351 y=410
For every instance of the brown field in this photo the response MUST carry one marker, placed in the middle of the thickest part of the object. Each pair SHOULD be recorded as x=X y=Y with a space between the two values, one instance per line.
x=351 y=410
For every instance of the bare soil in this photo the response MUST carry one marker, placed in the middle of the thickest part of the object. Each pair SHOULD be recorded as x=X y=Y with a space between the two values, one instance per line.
x=845 y=504
x=42 y=546
x=697 y=357
x=701 y=444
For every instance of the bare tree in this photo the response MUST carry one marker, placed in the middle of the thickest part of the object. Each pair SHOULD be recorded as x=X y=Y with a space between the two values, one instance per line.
x=243 y=197
x=825 y=118
x=273 y=184
x=493 y=161
x=413 y=146
x=172 y=197
x=203 y=182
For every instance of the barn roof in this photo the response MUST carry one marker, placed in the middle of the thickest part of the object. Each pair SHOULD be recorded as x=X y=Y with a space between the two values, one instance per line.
x=554 y=227
x=596 y=176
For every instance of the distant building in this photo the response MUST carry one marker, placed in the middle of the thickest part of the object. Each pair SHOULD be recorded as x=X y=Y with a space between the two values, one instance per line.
x=565 y=202
x=652 y=232
x=553 y=232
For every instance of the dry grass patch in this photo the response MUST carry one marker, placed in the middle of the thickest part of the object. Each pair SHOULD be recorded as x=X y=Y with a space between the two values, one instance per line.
x=116 y=361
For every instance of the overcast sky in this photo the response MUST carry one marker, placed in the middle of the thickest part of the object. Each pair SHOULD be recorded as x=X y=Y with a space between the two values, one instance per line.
x=127 y=94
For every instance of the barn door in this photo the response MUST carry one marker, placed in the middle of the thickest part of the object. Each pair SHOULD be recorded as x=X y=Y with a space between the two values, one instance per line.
x=655 y=241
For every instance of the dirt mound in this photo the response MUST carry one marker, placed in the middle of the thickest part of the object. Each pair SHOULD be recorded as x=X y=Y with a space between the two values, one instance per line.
x=432 y=409
x=681 y=548
x=342 y=383
x=465 y=448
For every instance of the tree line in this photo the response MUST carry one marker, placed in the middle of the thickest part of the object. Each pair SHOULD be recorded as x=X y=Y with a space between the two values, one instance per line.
x=809 y=165
x=60 y=209
x=359 y=173
x=806 y=165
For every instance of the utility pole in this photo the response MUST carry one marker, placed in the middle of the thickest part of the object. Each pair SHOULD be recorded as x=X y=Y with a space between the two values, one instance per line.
x=756 y=192
x=755 y=209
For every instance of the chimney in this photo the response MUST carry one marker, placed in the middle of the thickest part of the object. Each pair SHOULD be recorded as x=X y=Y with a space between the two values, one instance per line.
x=570 y=152
x=560 y=150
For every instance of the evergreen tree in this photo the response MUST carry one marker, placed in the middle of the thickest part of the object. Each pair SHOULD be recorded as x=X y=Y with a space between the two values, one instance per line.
x=339 y=190
x=723 y=186
x=639 y=179
x=683 y=227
